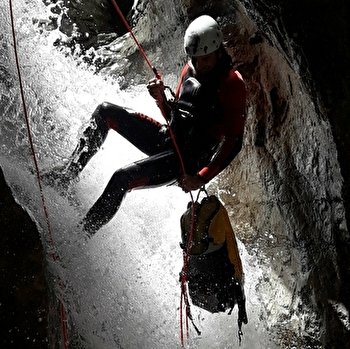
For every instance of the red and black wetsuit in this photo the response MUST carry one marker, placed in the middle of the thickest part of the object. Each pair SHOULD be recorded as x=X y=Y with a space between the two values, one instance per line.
x=214 y=139
x=219 y=125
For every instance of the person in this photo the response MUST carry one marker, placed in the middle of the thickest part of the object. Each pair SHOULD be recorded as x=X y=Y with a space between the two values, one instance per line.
x=207 y=117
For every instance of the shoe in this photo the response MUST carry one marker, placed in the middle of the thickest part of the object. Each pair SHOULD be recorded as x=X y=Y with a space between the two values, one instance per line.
x=88 y=228
x=59 y=177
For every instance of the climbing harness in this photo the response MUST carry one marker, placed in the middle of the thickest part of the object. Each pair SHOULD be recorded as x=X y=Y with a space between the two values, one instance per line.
x=184 y=302
x=30 y=138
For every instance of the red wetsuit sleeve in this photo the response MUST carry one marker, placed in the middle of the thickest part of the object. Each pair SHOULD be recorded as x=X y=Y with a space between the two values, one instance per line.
x=184 y=71
x=233 y=98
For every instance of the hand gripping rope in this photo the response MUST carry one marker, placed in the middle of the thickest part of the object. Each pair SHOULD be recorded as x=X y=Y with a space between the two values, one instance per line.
x=184 y=303
x=54 y=255
x=156 y=73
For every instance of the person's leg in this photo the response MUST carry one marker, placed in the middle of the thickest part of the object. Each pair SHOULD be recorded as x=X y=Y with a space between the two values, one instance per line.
x=140 y=130
x=137 y=128
x=153 y=171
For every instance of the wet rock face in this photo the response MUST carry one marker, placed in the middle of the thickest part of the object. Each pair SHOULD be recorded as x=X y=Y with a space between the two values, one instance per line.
x=23 y=294
x=87 y=23
x=285 y=188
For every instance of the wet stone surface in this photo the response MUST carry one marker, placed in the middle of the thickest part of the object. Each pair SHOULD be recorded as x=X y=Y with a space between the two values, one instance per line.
x=23 y=291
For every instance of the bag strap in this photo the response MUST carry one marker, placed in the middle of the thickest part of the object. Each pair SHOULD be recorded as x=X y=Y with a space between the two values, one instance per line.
x=202 y=189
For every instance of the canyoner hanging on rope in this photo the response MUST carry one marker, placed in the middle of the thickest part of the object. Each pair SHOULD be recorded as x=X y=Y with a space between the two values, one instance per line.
x=214 y=272
x=205 y=123
x=203 y=134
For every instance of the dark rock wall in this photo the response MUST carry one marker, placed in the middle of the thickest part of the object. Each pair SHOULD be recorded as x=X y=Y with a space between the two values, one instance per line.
x=23 y=295
x=322 y=29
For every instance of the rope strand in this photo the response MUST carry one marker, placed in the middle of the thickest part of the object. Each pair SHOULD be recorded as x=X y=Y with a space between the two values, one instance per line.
x=134 y=37
x=30 y=138
x=157 y=74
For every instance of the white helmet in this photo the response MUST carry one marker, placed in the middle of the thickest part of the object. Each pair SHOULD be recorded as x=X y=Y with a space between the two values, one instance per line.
x=203 y=36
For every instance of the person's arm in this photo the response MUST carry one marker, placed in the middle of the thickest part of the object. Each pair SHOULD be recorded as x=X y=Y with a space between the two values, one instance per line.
x=233 y=98
x=156 y=90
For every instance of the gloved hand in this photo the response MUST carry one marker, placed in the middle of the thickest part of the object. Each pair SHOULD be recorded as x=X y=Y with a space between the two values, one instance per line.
x=188 y=183
x=156 y=90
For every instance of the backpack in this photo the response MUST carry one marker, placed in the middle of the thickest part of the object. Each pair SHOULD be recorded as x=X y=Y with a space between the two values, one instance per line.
x=204 y=213
x=214 y=271
x=211 y=229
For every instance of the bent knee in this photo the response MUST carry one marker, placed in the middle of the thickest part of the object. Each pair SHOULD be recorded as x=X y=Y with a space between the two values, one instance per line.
x=109 y=115
x=120 y=181
x=103 y=110
x=99 y=116
x=127 y=179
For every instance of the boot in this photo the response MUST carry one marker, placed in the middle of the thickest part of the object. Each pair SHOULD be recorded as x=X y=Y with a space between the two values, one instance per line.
x=91 y=141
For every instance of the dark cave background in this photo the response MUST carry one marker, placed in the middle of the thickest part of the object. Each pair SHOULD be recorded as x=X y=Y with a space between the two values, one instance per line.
x=321 y=30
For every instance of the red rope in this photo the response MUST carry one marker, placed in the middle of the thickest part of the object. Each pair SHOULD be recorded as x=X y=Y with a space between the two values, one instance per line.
x=158 y=76
x=54 y=255
x=184 y=302
x=184 y=293
x=133 y=36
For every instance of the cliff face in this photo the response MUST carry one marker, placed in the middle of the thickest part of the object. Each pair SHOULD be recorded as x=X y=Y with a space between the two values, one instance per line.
x=286 y=187
x=24 y=296
x=287 y=192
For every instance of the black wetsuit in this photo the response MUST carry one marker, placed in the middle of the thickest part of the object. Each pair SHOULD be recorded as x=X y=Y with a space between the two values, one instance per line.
x=162 y=166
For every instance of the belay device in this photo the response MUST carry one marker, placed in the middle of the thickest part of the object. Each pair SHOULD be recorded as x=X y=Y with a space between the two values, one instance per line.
x=214 y=271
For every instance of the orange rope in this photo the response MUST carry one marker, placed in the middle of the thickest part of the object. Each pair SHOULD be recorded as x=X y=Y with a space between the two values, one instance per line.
x=133 y=36
x=54 y=255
